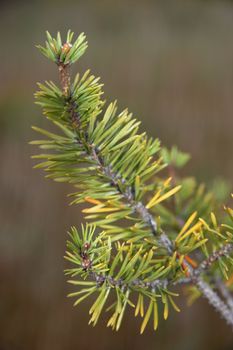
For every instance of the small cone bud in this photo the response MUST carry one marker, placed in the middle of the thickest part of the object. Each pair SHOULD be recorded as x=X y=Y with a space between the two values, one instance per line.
x=86 y=246
x=86 y=263
x=66 y=47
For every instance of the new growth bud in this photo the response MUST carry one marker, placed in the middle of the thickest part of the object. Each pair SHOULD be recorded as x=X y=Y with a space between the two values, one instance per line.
x=66 y=47
x=86 y=246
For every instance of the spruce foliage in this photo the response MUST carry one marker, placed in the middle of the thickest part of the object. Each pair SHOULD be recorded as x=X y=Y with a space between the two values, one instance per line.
x=148 y=230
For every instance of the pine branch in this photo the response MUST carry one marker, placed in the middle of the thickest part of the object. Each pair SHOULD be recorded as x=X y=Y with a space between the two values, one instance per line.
x=93 y=260
x=114 y=169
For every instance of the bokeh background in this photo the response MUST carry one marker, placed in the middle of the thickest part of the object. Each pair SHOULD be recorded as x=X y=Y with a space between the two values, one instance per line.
x=171 y=63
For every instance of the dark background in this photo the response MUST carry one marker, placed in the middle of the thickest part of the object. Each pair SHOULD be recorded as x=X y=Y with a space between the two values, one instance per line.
x=171 y=63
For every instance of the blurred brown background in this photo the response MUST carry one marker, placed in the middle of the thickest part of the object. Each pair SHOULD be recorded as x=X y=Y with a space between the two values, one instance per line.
x=171 y=63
